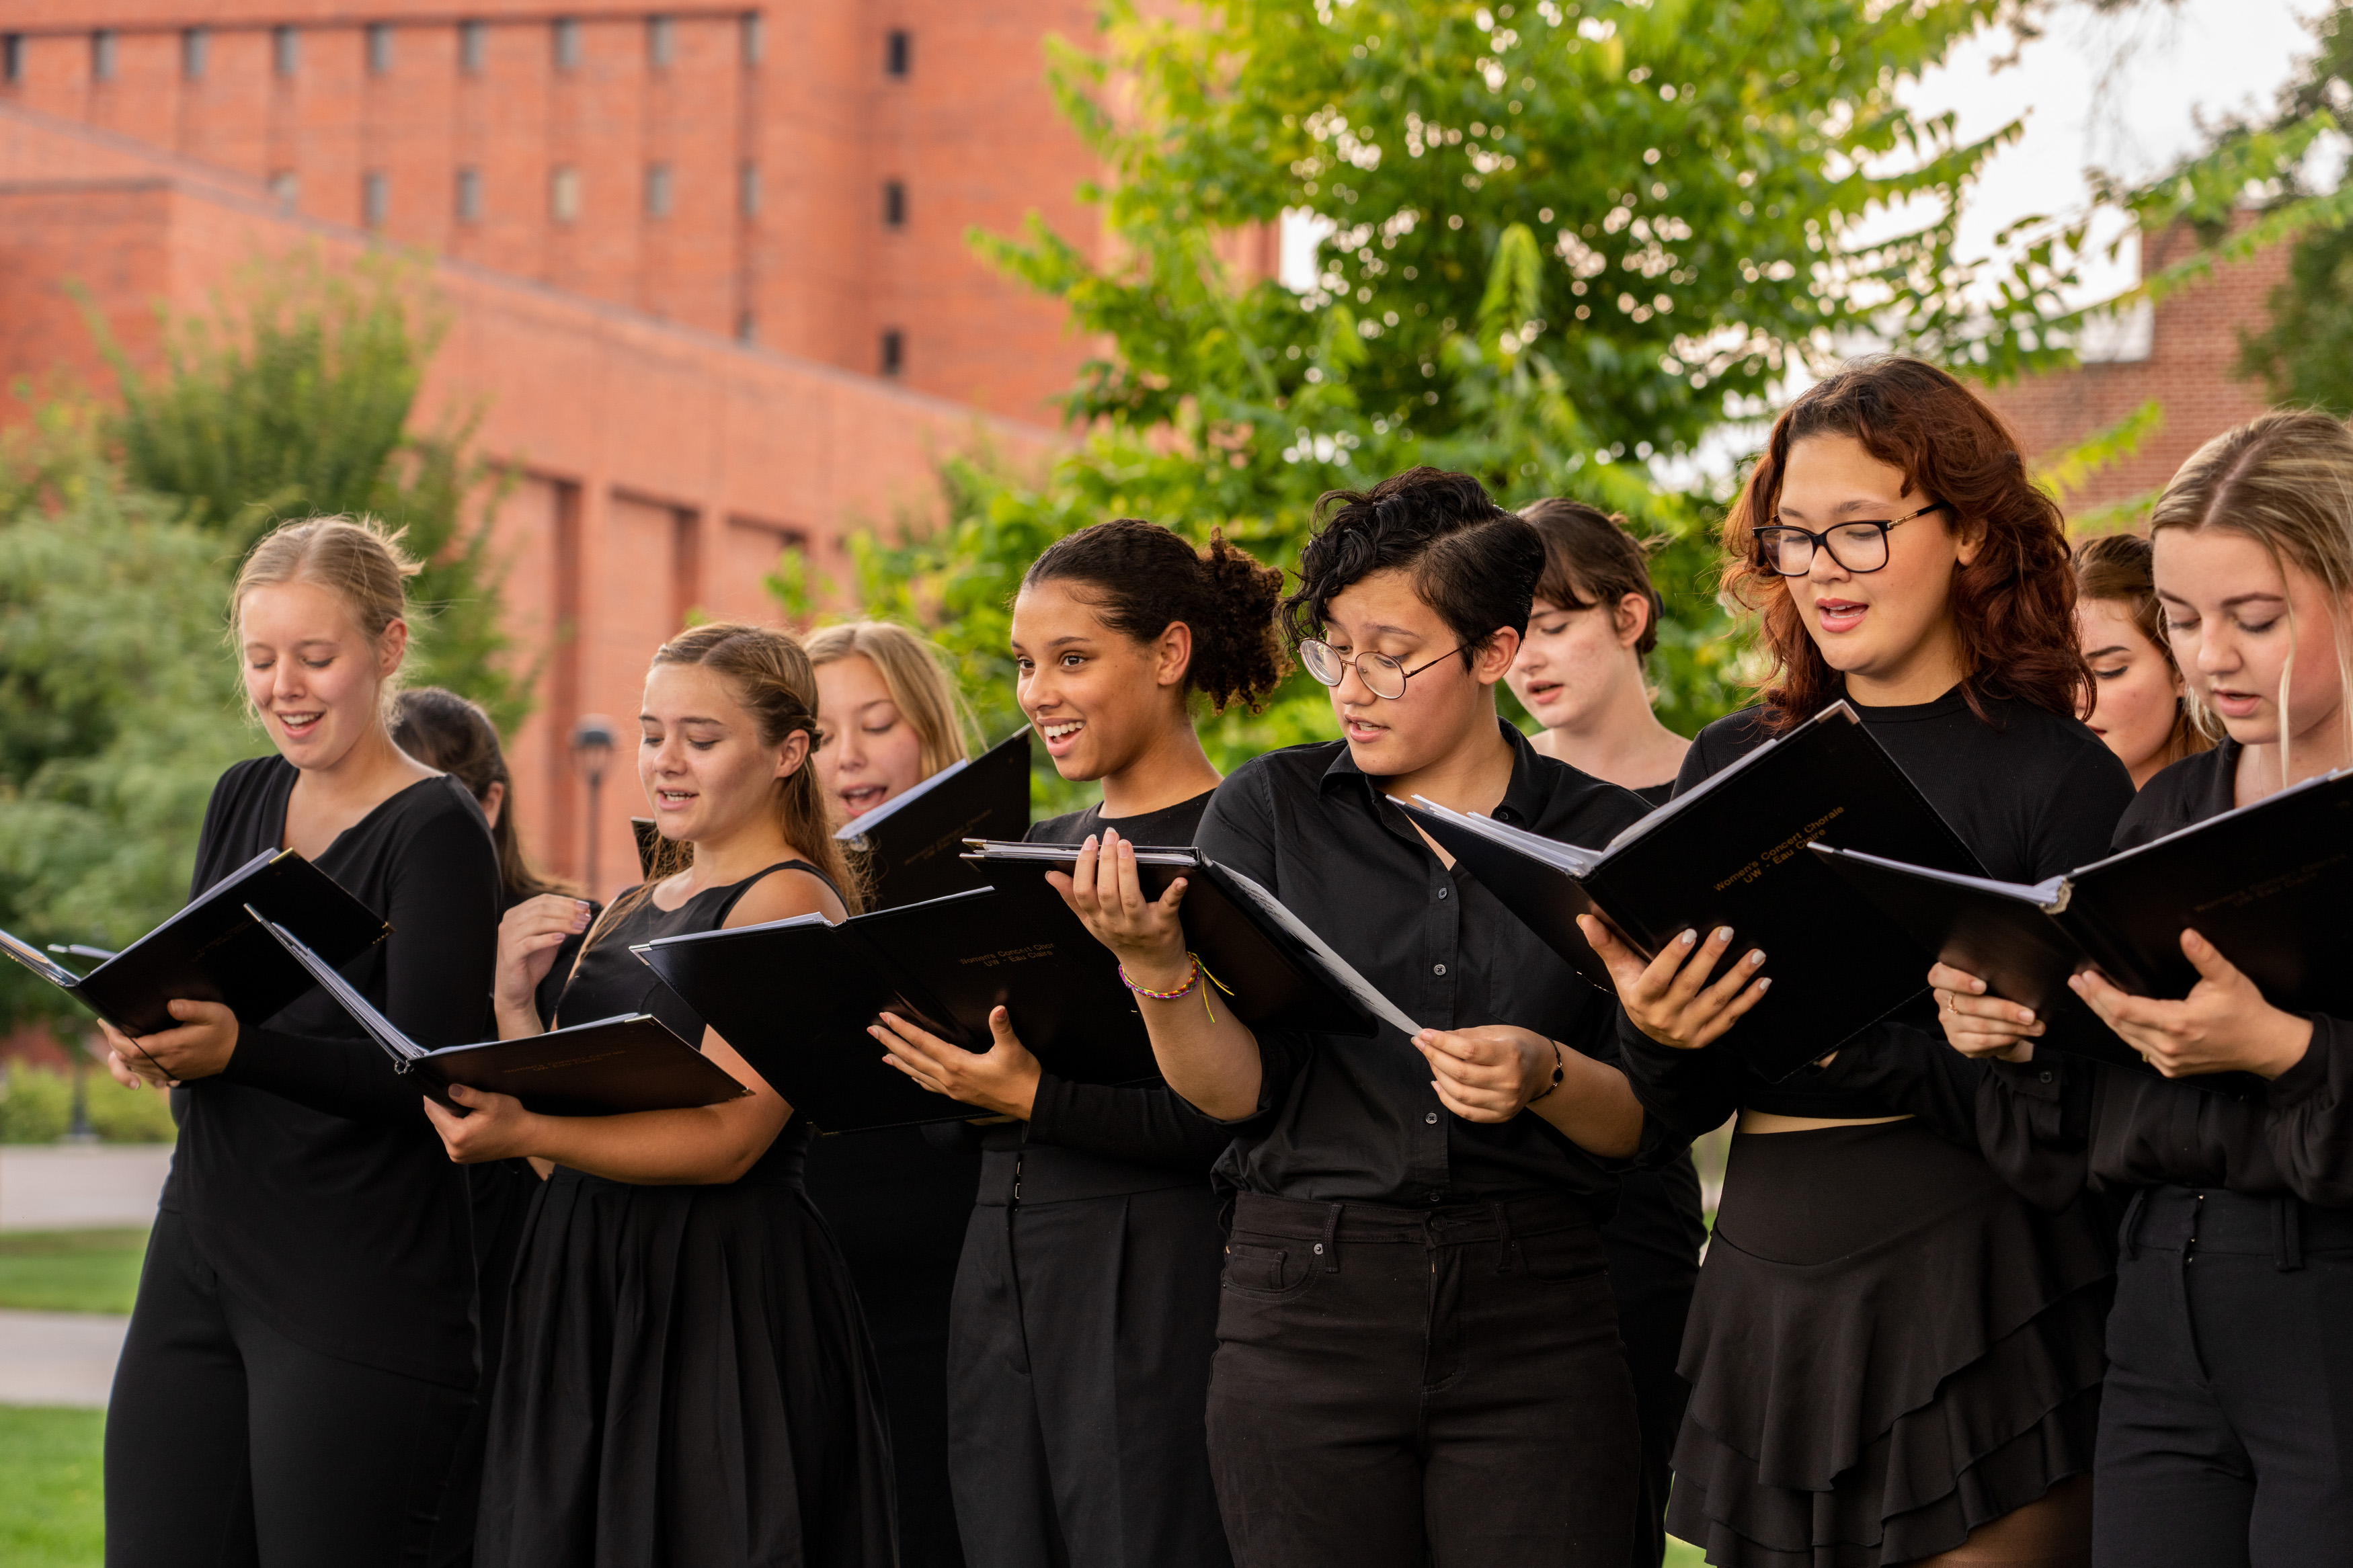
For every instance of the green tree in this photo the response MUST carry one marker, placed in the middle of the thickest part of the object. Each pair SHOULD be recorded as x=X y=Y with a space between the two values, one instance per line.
x=2305 y=355
x=295 y=397
x=1567 y=242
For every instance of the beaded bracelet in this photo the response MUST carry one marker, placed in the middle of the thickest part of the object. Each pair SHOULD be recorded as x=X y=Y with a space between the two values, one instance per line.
x=1199 y=970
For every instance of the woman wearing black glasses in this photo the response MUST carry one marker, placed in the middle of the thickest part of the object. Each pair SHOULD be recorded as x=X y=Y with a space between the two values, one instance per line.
x=1893 y=1357
x=1418 y=1357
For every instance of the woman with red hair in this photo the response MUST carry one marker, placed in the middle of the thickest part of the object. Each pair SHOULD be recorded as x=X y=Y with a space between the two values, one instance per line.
x=1893 y=1356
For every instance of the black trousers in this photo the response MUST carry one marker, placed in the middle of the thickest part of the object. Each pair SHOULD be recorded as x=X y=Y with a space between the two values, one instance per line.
x=229 y=1445
x=1079 y=1367
x=1652 y=1242
x=1398 y=1387
x=2226 y=1435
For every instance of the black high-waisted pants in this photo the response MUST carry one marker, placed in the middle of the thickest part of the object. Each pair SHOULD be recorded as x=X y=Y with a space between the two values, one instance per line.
x=1394 y=1387
x=2226 y=1433
x=230 y=1445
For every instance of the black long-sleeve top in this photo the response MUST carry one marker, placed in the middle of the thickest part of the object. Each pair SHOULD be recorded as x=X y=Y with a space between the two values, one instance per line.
x=307 y=1170
x=1146 y=1125
x=1357 y=1120
x=2057 y=1123
x=2032 y=793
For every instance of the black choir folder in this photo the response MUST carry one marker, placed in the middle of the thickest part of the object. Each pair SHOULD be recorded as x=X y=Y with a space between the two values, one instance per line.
x=628 y=1063
x=913 y=842
x=214 y=950
x=1731 y=852
x=2265 y=884
x=796 y=996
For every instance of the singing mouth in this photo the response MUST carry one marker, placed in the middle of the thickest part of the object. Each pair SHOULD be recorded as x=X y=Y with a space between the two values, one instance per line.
x=860 y=799
x=299 y=723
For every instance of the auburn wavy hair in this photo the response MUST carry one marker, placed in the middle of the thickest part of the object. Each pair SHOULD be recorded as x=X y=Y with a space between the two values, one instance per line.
x=2014 y=605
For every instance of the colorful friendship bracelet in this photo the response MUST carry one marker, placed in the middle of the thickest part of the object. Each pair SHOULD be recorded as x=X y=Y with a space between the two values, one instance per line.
x=1192 y=980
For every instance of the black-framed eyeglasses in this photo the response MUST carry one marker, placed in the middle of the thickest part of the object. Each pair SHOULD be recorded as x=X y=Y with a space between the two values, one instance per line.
x=1382 y=676
x=1788 y=552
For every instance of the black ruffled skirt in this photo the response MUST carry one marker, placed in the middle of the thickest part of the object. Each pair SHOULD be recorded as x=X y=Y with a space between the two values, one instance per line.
x=686 y=1383
x=1888 y=1347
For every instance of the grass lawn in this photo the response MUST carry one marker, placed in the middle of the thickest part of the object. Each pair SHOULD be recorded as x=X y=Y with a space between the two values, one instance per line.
x=70 y=1270
x=50 y=1498
x=1683 y=1555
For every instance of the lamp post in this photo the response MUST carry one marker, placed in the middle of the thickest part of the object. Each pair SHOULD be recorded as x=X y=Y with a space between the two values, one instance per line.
x=592 y=739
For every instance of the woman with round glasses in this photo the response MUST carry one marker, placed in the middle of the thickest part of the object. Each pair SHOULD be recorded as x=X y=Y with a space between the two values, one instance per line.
x=1893 y=1356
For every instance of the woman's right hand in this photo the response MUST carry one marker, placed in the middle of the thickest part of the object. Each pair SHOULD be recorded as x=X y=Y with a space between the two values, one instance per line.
x=1107 y=895
x=1976 y=1025
x=1669 y=997
x=528 y=938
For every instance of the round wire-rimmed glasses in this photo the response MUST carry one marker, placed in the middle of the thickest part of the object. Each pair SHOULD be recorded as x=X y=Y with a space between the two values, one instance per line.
x=1383 y=676
x=1788 y=552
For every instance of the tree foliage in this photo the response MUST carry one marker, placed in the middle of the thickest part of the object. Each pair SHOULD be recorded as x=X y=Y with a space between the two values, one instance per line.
x=1569 y=245
x=294 y=398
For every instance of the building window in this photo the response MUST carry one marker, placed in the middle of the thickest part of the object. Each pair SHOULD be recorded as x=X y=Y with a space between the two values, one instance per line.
x=101 y=56
x=12 y=57
x=748 y=328
x=379 y=48
x=755 y=38
x=566 y=32
x=658 y=190
x=194 y=47
x=287 y=187
x=469 y=195
x=899 y=52
x=747 y=187
x=662 y=42
x=375 y=197
x=894 y=203
x=473 y=45
x=894 y=352
x=564 y=193
x=285 y=50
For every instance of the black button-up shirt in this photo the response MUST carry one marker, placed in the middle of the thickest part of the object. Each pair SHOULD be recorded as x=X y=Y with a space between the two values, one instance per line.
x=1356 y=1120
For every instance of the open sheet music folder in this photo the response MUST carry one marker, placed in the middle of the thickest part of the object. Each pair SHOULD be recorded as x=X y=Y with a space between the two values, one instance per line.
x=796 y=996
x=2265 y=883
x=913 y=842
x=214 y=950
x=632 y=1062
x=1731 y=851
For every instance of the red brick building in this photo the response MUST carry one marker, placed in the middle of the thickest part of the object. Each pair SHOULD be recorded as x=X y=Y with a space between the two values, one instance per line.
x=705 y=265
x=2183 y=353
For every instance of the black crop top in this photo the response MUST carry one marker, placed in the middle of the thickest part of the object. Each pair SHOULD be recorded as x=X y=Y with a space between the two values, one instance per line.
x=609 y=980
x=2053 y=1125
x=2031 y=793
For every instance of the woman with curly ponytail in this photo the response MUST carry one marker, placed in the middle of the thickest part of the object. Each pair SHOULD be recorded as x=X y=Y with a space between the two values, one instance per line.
x=685 y=1376
x=1085 y=1314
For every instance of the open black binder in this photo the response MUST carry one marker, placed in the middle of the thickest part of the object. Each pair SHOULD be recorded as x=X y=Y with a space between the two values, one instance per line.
x=632 y=1062
x=1732 y=852
x=214 y=950
x=2266 y=884
x=796 y=996
x=913 y=842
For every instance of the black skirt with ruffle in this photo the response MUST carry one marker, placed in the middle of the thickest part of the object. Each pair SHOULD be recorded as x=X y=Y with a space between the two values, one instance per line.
x=685 y=1380
x=1888 y=1347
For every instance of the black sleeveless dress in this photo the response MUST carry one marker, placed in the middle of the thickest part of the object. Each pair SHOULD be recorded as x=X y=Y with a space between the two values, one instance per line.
x=685 y=1378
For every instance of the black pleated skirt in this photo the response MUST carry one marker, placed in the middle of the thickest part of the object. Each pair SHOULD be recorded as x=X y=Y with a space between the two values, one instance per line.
x=1888 y=1347
x=686 y=1383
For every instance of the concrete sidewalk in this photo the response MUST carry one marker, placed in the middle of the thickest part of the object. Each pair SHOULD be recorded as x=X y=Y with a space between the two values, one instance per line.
x=58 y=1358
x=80 y=1186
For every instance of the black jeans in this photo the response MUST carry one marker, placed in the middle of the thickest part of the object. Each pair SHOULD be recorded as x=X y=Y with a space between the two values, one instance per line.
x=1394 y=1387
x=2226 y=1437
x=229 y=1445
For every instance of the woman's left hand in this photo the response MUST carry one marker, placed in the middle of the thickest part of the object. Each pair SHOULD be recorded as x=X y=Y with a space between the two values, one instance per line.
x=1003 y=1079
x=495 y=1127
x=200 y=1047
x=1489 y=1073
x=2222 y=1025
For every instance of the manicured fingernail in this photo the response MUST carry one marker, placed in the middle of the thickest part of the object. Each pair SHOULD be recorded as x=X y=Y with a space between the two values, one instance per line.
x=1764 y=985
x=1688 y=938
x=1756 y=957
x=1723 y=933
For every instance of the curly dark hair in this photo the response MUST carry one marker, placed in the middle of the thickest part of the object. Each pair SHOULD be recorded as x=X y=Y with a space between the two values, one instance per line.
x=2014 y=605
x=1474 y=563
x=1141 y=579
